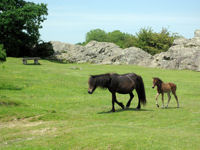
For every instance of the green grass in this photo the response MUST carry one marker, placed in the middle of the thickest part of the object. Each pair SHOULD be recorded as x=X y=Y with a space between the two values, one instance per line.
x=47 y=107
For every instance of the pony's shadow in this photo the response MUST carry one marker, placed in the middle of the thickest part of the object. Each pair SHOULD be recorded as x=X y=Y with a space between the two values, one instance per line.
x=173 y=108
x=126 y=109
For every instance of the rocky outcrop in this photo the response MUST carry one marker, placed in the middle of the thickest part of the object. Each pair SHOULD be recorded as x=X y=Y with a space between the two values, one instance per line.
x=100 y=53
x=184 y=54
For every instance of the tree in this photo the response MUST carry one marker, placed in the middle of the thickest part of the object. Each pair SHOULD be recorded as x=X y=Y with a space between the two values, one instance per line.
x=20 y=22
x=2 y=54
x=97 y=35
x=153 y=42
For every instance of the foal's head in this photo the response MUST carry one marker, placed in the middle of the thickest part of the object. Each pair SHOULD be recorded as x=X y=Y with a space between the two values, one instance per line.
x=156 y=82
x=92 y=84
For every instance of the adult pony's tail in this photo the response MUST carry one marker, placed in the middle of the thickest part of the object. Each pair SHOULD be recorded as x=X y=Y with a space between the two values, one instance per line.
x=140 y=90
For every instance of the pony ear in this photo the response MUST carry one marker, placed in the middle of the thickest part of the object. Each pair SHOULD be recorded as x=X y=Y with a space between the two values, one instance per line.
x=92 y=76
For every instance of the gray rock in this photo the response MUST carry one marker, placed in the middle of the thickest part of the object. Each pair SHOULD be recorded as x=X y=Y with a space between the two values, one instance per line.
x=197 y=33
x=180 y=41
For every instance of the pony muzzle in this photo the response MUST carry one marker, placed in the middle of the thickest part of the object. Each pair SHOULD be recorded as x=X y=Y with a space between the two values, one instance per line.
x=90 y=91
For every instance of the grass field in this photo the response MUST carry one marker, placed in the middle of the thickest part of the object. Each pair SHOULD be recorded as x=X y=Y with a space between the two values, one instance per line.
x=47 y=107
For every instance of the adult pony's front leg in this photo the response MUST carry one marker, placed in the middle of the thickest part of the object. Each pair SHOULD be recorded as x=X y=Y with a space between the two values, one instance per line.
x=115 y=100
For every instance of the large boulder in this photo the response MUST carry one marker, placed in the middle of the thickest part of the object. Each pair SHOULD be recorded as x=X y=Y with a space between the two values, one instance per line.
x=197 y=33
x=184 y=54
x=100 y=53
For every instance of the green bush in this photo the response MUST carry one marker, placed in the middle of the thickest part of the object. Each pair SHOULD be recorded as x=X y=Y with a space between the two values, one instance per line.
x=2 y=54
x=153 y=42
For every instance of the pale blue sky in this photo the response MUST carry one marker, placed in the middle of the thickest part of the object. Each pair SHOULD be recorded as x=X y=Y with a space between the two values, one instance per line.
x=70 y=20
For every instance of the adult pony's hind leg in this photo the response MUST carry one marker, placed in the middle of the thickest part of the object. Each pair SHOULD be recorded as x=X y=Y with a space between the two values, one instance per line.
x=174 y=93
x=138 y=106
x=129 y=102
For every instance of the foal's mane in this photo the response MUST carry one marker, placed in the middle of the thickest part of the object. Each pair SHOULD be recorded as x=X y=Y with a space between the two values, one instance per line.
x=159 y=84
x=158 y=79
x=102 y=80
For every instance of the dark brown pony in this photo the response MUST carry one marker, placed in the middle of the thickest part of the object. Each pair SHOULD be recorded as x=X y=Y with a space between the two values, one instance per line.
x=123 y=84
x=164 y=88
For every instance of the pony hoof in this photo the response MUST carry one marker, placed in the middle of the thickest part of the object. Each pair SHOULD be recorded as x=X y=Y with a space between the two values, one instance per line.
x=112 y=110
x=138 y=108
x=166 y=106
x=157 y=105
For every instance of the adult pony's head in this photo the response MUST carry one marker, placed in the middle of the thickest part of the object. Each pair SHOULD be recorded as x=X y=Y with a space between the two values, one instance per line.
x=156 y=82
x=92 y=84
x=102 y=80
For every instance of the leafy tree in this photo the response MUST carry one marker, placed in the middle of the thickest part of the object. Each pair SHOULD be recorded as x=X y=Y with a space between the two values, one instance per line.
x=153 y=42
x=20 y=22
x=2 y=54
x=97 y=35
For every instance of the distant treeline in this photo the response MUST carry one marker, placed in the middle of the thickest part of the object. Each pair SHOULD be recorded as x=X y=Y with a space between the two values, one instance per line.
x=146 y=39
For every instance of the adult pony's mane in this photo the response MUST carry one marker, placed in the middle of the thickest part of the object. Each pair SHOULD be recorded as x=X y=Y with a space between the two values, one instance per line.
x=102 y=80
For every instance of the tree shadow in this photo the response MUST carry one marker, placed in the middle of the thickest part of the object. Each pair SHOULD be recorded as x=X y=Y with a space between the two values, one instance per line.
x=10 y=87
x=54 y=60
x=33 y=64
x=122 y=110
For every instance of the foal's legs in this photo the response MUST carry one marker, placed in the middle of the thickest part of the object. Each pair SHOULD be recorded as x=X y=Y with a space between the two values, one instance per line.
x=157 y=99
x=174 y=93
x=129 y=102
x=114 y=99
x=169 y=97
x=163 y=100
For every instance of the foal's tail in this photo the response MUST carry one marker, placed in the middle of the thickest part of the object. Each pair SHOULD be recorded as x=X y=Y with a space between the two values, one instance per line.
x=140 y=90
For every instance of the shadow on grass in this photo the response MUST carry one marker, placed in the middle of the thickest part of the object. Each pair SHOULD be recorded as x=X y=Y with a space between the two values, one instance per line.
x=9 y=87
x=57 y=61
x=173 y=108
x=126 y=109
x=32 y=64
x=9 y=103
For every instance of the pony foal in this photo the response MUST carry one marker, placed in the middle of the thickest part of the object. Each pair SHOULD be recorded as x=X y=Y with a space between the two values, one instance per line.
x=164 y=88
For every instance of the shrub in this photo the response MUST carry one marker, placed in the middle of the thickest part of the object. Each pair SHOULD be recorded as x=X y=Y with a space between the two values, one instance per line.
x=2 y=54
x=153 y=42
x=44 y=49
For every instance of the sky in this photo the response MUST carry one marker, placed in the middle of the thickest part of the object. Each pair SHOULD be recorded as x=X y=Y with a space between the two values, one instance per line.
x=70 y=20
